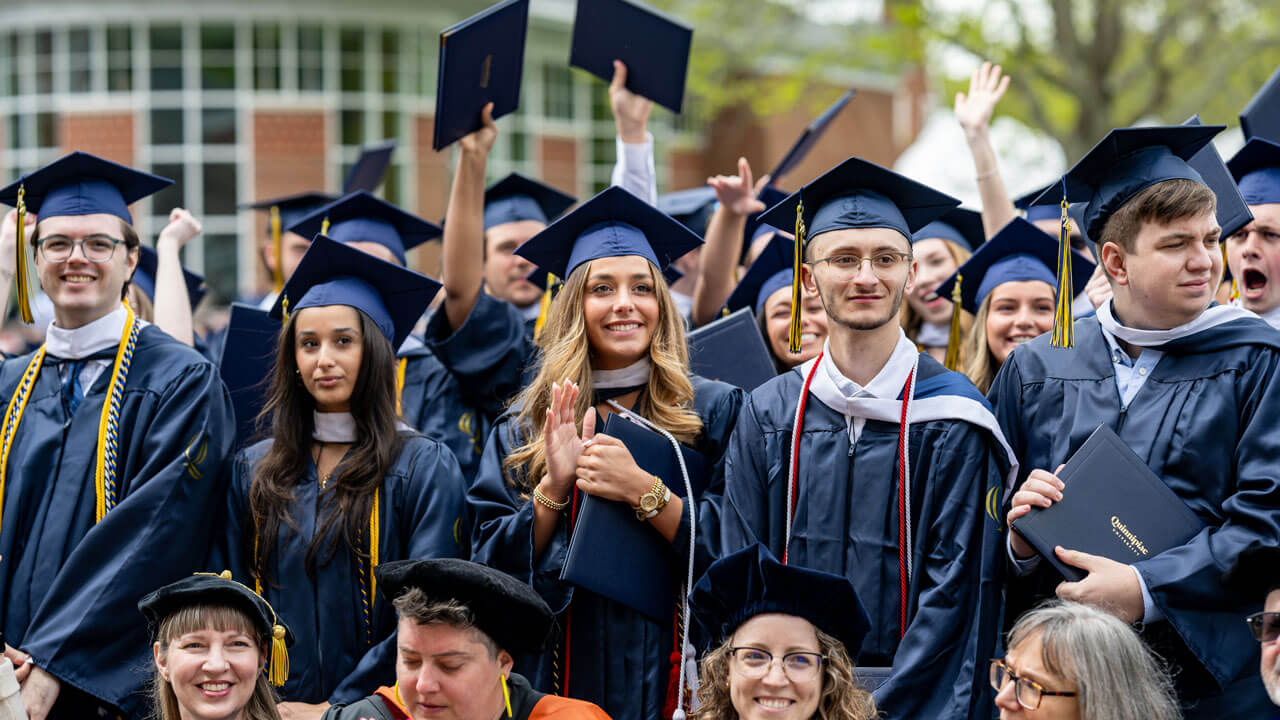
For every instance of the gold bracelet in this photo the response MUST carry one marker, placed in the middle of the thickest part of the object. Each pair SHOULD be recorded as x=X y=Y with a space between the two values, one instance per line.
x=547 y=502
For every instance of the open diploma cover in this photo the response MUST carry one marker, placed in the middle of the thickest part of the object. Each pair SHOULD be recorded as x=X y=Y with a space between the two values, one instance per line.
x=626 y=560
x=1113 y=506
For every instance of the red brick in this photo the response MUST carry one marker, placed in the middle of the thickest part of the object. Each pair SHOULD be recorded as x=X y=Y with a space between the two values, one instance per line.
x=559 y=162
x=105 y=134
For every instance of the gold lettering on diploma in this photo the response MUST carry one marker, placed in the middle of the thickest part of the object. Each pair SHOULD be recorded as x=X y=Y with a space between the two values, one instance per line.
x=1130 y=540
x=485 y=68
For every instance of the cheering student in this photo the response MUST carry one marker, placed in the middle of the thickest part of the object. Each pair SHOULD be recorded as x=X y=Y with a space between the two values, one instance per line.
x=164 y=292
x=341 y=485
x=111 y=450
x=613 y=342
x=1010 y=286
x=212 y=638
x=1253 y=252
x=460 y=626
x=1190 y=388
x=428 y=396
x=781 y=636
x=814 y=470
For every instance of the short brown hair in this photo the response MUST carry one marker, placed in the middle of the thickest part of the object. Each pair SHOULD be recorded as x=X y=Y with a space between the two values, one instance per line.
x=1163 y=202
x=415 y=605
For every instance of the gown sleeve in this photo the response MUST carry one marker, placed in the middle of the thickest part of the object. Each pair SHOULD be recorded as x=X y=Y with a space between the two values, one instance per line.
x=744 y=518
x=88 y=631
x=488 y=354
x=432 y=508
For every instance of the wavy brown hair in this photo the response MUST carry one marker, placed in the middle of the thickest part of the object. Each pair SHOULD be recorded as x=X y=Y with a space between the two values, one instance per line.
x=565 y=352
x=911 y=322
x=349 y=494
x=194 y=618
x=841 y=698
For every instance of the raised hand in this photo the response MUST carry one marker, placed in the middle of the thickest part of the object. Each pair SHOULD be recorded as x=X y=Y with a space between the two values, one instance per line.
x=986 y=86
x=630 y=111
x=560 y=437
x=182 y=227
x=481 y=141
x=737 y=193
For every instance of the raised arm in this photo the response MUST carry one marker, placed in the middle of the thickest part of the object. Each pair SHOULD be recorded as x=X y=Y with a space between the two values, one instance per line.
x=463 y=255
x=973 y=111
x=173 y=309
x=737 y=197
x=634 y=168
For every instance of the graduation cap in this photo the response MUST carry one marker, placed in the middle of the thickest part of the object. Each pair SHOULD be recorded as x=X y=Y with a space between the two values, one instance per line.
x=1259 y=117
x=145 y=277
x=751 y=582
x=691 y=208
x=1255 y=573
x=361 y=217
x=210 y=589
x=1122 y=164
x=810 y=136
x=1233 y=213
x=333 y=273
x=770 y=196
x=960 y=226
x=772 y=270
x=370 y=168
x=515 y=198
x=853 y=194
x=1036 y=213
x=481 y=61
x=1256 y=169
x=653 y=45
x=284 y=211
x=507 y=610
x=611 y=224
x=75 y=184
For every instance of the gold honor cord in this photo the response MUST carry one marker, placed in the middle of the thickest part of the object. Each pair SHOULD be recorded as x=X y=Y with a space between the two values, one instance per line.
x=22 y=270
x=401 y=364
x=1063 y=332
x=793 y=334
x=108 y=424
x=952 y=359
x=544 y=307
x=277 y=247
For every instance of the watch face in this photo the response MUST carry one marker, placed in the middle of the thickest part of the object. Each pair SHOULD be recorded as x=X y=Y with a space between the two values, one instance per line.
x=648 y=503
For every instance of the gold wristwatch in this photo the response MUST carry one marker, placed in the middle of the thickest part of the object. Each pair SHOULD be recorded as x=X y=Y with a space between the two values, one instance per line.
x=652 y=502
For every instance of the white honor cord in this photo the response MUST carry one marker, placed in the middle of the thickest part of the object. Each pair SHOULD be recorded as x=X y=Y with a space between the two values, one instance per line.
x=906 y=460
x=693 y=534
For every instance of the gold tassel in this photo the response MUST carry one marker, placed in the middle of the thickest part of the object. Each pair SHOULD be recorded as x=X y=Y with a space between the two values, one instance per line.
x=277 y=275
x=401 y=364
x=278 y=670
x=284 y=309
x=1063 y=333
x=544 y=308
x=374 y=541
x=506 y=694
x=324 y=226
x=21 y=272
x=952 y=360
x=793 y=335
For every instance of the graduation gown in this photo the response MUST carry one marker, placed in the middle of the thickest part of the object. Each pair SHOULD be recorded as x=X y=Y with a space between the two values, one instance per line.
x=70 y=587
x=1206 y=422
x=491 y=354
x=846 y=523
x=340 y=655
x=526 y=704
x=434 y=403
x=618 y=658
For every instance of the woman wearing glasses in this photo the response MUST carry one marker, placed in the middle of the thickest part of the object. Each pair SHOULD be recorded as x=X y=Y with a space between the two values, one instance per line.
x=779 y=654
x=1068 y=661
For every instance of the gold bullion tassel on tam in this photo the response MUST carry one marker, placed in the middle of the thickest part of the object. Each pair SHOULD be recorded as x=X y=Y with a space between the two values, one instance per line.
x=952 y=360
x=1063 y=335
x=793 y=335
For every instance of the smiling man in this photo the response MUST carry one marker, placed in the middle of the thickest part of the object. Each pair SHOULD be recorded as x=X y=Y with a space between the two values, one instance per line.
x=824 y=486
x=100 y=505
x=1192 y=389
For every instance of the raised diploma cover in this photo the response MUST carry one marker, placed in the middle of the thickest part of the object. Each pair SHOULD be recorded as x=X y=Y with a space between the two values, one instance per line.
x=1113 y=506
x=731 y=350
x=481 y=61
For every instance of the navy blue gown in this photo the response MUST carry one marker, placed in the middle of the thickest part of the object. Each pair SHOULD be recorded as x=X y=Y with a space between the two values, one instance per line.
x=434 y=402
x=341 y=653
x=1206 y=422
x=846 y=523
x=618 y=658
x=491 y=355
x=70 y=587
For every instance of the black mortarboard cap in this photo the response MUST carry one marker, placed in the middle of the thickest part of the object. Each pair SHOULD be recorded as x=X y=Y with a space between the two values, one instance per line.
x=961 y=226
x=515 y=198
x=1233 y=213
x=1256 y=169
x=1261 y=117
x=361 y=217
x=370 y=168
x=481 y=61
x=82 y=184
x=654 y=47
x=691 y=208
x=771 y=271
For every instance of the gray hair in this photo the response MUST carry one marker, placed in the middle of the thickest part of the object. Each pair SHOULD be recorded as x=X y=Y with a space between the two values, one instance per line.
x=1117 y=676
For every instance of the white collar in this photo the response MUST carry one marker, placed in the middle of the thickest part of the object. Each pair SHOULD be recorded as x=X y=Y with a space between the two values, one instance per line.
x=931 y=335
x=637 y=373
x=1210 y=318
x=531 y=312
x=410 y=344
x=1272 y=316
x=334 y=427
x=835 y=390
x=87 y=339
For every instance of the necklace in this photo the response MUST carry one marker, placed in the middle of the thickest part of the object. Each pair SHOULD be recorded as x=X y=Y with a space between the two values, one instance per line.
x=324 y=479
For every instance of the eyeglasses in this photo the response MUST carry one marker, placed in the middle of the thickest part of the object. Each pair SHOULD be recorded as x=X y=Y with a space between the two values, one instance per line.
x=95 y=248
x=1265 y=626
x=883 y=264
x=799 y=666
x=1027 y=692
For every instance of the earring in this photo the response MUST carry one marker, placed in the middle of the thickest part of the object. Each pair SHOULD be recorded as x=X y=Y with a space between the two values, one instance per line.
x=506 y=694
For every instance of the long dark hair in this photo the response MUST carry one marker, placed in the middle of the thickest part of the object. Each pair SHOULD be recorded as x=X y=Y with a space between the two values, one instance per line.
x=348 y=496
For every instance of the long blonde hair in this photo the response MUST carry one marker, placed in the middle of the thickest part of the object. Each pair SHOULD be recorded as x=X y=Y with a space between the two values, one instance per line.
x=911 y=321
x=193 y=618
x=565 y=352
x=975 y=354
x=841 y=698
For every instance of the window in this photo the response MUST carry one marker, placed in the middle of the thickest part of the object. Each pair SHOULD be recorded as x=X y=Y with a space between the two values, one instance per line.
x=171 y=196
x=44 y=62
x=166 y=127
x=391 y=189
x=166 y=57
x=12 y=54
x=218 y=57
x=221 y=266
x=119 y=58
x=428 y=49
x=391 y=125
x=46 y=130
x=310 y=57
x=352 y=59
x=352 y=127
x=79 y=60
x=220 y=189
x=557 y=92
x=266 y=57
x=218 y=126
x=391 y=61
